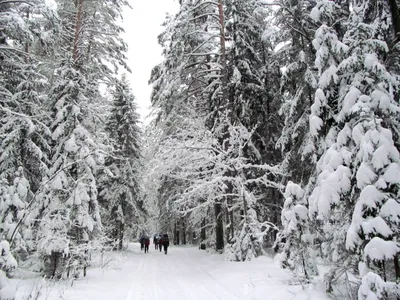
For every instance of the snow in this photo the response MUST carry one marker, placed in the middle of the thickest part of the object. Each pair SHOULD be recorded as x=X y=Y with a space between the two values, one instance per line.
x=349 y=101
x=370 y=60
x=380 y=158
x=365 y=175
x=185 y=273
x=381 y=100
x=391 y=211
x=58 y=181
x=370 y=196
x=7 y=291
x=70 y=144
x=293 y=189
x=7 y=260
x=372 y=287
x=392 y=174
x=315 y=14
x=379 y=249
x=376 y=226
x=333 y=182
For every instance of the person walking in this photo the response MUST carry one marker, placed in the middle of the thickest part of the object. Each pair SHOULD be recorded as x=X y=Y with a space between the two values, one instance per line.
x=160 y=243
x=141 y=240
x=155 y=241
x=165 y=243
x=146 y=244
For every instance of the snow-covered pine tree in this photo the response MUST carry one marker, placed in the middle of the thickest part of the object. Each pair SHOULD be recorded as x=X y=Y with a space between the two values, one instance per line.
x=13 y=205
x=295 y=57
x=70 y=213
x=23 y=133
x=297 y=253
x=71 y=220
x=120 y=190
x=353 y=185
x=7 y=265
x=369 y=114
x=327 y=213
x=254 y=83
x=298 y=84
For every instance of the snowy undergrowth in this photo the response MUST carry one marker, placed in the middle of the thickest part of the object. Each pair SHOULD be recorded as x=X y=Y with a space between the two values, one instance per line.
x=31 y=286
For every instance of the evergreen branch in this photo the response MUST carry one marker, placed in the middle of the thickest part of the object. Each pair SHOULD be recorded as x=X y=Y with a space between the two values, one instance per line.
x=16 y=1
x=26 y=213
x=207 y=3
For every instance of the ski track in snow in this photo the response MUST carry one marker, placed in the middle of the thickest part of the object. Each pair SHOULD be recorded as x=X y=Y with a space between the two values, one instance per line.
x=185 y=273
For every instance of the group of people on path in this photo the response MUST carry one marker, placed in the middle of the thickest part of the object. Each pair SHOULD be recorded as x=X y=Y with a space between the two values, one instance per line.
x=159 y=241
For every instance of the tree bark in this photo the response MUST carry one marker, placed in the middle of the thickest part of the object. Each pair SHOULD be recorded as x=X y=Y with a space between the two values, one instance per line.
x=203 y=230
x=224 y=70
x=78 y=29
x=121 y=235
x=397 y=268
x=394 y=9
x=27 y=43
x=219 y=228
x=176 y=235
x=183 y=232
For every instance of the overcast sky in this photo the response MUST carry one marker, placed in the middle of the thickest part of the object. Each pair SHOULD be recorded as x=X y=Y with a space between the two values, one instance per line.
x=142 y=24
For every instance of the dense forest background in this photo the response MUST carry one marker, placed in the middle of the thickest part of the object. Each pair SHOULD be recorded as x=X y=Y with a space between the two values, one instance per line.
x=275 y=128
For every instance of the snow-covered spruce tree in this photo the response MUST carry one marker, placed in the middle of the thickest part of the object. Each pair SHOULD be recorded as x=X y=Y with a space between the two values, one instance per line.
x=70 y=219
x=13 y=205
x=295 y=56
x=371 y=113
x=70 y=213
x=249 y=181
x=120 y=191
x=7 y=265
x=297 y=253
x=352 y=183
x=330 y=51
x=250 y=93
x=298 y=84
x=327 y=213
x=23 y=133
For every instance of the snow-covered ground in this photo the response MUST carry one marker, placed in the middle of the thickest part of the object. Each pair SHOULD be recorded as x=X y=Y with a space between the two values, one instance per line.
x=185 y=273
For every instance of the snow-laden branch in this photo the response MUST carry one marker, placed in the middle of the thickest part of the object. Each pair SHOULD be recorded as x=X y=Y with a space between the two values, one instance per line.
x=16 y=1
x=207 y=3
x=214 y=15
x=38 y=192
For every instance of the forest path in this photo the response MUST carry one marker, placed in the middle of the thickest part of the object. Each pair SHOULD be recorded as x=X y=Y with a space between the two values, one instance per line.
x=185 y=273
x=176 y=275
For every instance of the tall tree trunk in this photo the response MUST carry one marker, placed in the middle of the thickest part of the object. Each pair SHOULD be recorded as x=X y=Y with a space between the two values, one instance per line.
x=78 y=29
x=176 y=233
x=397 y=268
x=203 y=230
x=223 y=53
x=219 y=229
x=121 y=235
x=27 y=43
x=183 y=232
x=394 y=9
